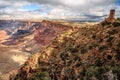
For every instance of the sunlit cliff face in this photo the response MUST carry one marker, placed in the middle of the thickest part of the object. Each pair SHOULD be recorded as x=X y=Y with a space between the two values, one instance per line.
x=3 y=35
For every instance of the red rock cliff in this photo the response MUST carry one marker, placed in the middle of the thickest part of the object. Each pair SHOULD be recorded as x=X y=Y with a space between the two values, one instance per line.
x=48 y=31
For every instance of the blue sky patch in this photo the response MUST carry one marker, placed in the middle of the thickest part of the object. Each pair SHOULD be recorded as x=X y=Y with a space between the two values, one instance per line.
x=31 y=7
x=118 y=2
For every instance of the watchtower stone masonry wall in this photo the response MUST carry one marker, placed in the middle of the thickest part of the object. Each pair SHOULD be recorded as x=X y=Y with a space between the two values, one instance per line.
x=111 y=17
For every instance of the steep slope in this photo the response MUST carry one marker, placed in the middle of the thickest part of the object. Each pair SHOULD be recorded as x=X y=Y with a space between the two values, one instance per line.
x=16 y=49
x=10 y=60
x=89 y=53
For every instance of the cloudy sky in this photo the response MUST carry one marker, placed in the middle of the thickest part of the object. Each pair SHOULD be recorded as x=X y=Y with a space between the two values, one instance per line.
x=58 y=9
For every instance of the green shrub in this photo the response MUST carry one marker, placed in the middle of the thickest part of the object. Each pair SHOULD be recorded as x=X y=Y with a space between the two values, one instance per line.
x=116 y=24
x=64 y=56
x=41 y=76
x=101 y=48
x=98 y=62
x=110 y=39
x=78 y=64
x=83 y=51
x=109 y=57
x=116 y=71
x=117 y=54
x=118 y=44
x=112 y=31
x=112 y=63
x=93 y=45
x=93 y=36
x=73 y=50
x=100 y=40
x=83 y=72
x=99 y=73
x=105 y=23
x=77 y=58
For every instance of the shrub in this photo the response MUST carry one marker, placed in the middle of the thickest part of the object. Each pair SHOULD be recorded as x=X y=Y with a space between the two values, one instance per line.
x=83 y=51
x=93 y=36
x=109 y=57
x=101 y=48
x=105 y=23
x=116 y=71
x=41 y=76
x=83 y=72
x=116 y=24
x=78 y=64
x=113 y=31
x=64 y=56
x=110 y=39
x=93 y=45
x=118 y=44
x=73 y=50
x=77 y=58
x=99 y=73
x=100 y=40
x=117 y=54
x=98 y=62
x=112 y=63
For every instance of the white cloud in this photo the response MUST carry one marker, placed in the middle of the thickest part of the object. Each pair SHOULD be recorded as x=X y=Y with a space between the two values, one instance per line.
x=76 y=8
x=13 y=3
x=59 y=9
x=73 y=3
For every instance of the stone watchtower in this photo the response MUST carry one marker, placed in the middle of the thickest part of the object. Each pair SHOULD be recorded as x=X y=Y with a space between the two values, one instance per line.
x=111 y=17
